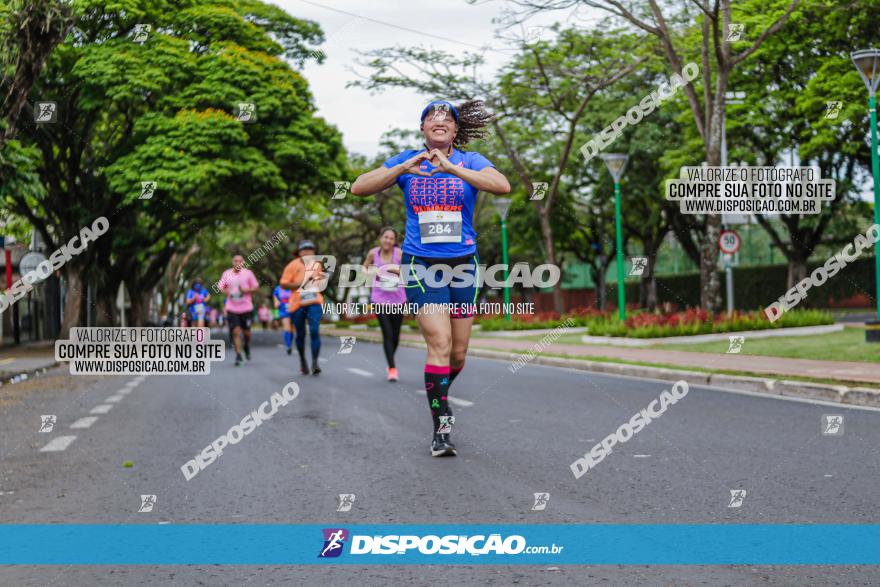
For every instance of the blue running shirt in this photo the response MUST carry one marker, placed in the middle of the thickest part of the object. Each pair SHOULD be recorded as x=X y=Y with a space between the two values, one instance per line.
x=440 y=199
x=193 y=293
x=283 y=296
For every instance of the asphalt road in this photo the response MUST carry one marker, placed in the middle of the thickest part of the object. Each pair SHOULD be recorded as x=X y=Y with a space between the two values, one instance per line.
x=350 y=431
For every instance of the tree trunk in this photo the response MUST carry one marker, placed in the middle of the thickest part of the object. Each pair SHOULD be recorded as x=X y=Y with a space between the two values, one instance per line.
x=547 y=233
x=648 y=285
x=648 y=290
x=140 y=306
x=797 y=270
x=74 y=303
x=710 y=285
x=600 y=283
x=105 y=309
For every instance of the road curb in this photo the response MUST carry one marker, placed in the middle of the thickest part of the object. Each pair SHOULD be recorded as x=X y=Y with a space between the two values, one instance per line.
x=12 y=377
x=862 y=396
x=842 y=394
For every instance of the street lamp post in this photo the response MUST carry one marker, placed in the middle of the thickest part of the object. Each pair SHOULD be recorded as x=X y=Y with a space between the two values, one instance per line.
x=616 y=163
x=728 y=219
x=502 y=204
x=867 y=62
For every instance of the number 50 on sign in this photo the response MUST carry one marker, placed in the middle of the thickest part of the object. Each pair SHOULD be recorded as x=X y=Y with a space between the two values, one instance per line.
x=729 y=242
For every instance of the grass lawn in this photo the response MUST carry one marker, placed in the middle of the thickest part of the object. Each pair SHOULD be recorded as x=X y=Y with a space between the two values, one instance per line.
x=847 y=345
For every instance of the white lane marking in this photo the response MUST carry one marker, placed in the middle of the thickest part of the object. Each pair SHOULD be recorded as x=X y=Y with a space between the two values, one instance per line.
x=125 y=391
x=641 y=456
x=360 y=372
x=58 y=443
x=829 y=475
x=102 y=409
x=85 y=422
x=323 y=360
x=456 y=401
x=113 y=399
x=133 y=383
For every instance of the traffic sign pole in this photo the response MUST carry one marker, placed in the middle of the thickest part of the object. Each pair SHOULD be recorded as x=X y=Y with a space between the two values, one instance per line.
x=729 y=278
x=729 y=243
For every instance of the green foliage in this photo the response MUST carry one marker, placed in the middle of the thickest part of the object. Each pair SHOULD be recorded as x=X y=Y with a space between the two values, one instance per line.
x=163 y=111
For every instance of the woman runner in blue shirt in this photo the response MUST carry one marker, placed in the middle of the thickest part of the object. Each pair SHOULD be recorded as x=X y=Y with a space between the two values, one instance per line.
x=440 y=185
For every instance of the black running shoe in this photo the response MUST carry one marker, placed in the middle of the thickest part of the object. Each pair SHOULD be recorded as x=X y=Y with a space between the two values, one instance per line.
x=304 y=367
x=247 y=353
x=442 y=447
x=316 y=369
x=238 y=360
x=289 y=350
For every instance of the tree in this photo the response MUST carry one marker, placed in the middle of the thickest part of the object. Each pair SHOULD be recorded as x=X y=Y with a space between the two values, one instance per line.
x=786 y=119
x=539 y=101
x=163 y=109
x=28 y=34
x=718 y=60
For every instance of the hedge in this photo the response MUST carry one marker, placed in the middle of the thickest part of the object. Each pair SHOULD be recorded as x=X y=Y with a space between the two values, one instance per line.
x=755 y=287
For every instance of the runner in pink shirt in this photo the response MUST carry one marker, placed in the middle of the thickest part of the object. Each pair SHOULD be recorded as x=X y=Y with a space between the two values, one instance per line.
x=238 y=284
x=263 y=315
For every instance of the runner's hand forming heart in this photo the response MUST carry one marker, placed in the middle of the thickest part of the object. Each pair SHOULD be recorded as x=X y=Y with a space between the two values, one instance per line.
x=440 y=162
x=413 y=165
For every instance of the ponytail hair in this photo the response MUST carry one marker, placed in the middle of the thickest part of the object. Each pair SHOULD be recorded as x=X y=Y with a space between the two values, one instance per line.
x=473 y=118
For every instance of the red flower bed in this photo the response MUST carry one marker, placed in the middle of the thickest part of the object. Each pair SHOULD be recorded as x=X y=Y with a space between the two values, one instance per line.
x=689 y=316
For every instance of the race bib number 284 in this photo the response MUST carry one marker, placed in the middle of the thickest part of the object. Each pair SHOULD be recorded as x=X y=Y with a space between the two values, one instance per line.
x=439 y=226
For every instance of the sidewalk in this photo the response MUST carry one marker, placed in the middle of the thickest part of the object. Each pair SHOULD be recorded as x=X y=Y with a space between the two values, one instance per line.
x=777 y=367
x=16 y=361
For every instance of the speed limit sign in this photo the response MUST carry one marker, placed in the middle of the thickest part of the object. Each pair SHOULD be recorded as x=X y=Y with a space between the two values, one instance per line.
x=729 y=242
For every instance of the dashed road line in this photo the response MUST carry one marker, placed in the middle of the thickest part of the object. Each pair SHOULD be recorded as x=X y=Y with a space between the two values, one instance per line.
x=360 y=372
x=456 y=401
x=85 y=422
x=58 y=444
x=102 y=409
x=113 y=399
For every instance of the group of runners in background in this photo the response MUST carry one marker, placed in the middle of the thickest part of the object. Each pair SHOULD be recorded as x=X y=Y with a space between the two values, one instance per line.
x=440 y=184
x=298 y=302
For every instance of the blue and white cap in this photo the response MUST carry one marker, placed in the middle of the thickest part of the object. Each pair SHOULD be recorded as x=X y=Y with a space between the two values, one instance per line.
x=435 y=106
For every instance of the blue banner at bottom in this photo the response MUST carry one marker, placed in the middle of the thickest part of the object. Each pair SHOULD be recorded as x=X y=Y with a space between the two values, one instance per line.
x=526 y=544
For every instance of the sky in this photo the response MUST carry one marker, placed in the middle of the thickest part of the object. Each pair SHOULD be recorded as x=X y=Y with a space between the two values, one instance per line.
x=363 y=117
x=351 y=27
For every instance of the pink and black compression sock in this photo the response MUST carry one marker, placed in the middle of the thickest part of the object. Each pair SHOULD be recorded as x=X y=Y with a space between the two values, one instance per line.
x=437 y=384
x=454 y=371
